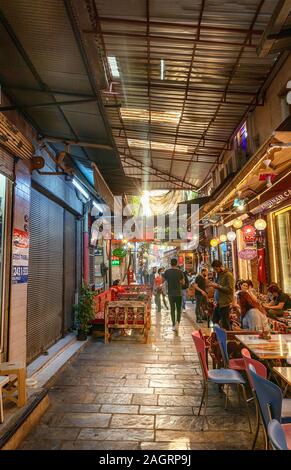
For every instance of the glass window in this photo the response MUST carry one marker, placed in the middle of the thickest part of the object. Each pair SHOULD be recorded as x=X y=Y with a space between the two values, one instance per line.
x=2 y=241
x=283 y=248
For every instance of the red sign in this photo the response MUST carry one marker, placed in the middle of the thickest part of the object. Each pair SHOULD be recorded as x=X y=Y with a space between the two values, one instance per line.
x=249 y=233
x=247 y=254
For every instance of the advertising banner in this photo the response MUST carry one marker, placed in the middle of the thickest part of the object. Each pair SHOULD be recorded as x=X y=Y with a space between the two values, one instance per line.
x=20 y=257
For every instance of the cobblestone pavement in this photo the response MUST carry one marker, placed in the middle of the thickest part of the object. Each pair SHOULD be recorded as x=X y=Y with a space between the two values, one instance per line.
x=129 y=395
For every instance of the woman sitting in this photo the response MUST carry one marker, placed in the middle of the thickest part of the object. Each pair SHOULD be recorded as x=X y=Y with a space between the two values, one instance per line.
x=253 y=316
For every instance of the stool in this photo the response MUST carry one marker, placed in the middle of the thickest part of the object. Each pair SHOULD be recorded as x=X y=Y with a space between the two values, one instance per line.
x=16 y=382
x=3 y=381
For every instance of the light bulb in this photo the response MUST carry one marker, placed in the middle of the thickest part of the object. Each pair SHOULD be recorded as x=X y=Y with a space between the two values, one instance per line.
x=260 y=224
x=231 y=236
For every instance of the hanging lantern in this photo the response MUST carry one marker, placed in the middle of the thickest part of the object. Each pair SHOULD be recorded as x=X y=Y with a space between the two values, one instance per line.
x=260 y=224
x=213 y=242
x=223 y=238
x=237 y=223
x=249 y=230
x=231 y=236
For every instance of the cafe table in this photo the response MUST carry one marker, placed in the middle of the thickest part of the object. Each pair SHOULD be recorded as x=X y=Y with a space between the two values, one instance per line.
x=276 y=348
x=285 y=374
x=274 y=352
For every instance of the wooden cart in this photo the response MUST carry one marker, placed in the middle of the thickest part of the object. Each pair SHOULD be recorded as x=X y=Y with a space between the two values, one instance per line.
x=125 y=315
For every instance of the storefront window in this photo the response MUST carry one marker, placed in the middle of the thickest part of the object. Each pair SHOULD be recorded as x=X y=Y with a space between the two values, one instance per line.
x=2 y=232
x=283 y=227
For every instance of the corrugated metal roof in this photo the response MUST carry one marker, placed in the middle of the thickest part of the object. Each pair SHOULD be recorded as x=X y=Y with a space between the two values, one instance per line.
x=42 y=62
x=212 y=76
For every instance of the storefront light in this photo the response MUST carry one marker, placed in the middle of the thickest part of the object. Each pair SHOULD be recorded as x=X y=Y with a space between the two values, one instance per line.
x=231 y=236
x=237 y=223
x=213 y=242
x=260 y=224
x=80 y=188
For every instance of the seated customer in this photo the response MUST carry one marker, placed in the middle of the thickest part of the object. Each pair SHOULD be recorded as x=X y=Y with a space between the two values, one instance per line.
x=252 y=316
x=117 y=287
x=280 y=302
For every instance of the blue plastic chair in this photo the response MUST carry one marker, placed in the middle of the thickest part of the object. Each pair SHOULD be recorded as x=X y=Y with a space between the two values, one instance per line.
x=235 y=364
x=216 y=376
x=269 y=399
x=277 y=435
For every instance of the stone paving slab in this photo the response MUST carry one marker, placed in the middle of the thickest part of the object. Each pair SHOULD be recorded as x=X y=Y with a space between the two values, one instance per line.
x=129 y=395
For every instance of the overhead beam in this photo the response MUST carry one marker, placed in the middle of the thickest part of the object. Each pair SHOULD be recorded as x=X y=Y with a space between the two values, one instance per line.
x=170 y=39
x=153 y=22
x=75 y=142
x=42 y=105
x=275 y=25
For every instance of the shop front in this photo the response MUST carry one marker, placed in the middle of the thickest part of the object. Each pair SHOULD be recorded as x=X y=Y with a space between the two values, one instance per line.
x=278 y=212
x=275 y=209
x=5 y=236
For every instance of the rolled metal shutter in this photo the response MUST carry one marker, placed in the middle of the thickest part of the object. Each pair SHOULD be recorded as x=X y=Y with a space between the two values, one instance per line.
x=6 y=163
x=45 y=278
x=69 y=268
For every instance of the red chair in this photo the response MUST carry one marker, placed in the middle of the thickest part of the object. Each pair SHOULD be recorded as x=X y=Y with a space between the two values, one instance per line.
x=216 y=376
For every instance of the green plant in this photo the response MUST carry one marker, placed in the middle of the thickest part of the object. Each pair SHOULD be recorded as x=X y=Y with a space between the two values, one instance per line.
x=84 y=308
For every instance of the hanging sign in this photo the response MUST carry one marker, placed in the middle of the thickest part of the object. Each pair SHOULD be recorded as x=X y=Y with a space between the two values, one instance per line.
x=115 y=262
x=119 y=252
x=247 y=254
x=20 y=257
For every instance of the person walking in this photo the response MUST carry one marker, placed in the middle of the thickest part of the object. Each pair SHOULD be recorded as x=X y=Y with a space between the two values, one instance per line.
x=175 y=280
x=224 y=292
x=152 y=277
x=200 y=293
x=158 y=290
x=184 y=288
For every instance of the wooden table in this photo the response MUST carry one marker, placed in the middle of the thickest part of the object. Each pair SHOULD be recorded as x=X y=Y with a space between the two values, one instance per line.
x=285 y=374
x=278 y=347
x=17 y=376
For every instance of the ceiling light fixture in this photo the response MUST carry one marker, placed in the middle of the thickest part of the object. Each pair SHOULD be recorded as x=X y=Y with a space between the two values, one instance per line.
x=162 y=69
x=113 y=66
x=97 y=207
x=140 y=114
x=157 y=145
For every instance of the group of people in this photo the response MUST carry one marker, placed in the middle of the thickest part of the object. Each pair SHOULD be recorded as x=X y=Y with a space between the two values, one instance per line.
x=237 y=305
x=229 y=304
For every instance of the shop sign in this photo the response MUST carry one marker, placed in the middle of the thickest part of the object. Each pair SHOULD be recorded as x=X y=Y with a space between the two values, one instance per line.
x=20 y=257
x=115 y=262
x=119 y=252
x=247 y=254
x=274 y=197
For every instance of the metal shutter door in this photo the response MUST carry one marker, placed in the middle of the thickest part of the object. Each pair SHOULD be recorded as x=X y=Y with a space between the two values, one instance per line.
x=69 y=268
x=45 y=278
x=6 y=163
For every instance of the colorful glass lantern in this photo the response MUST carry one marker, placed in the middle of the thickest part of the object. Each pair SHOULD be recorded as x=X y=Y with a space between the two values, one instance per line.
x=223 y=238
x=237 y=223
x=249 y=230
x=213 y=242
x=231 y=236
x=260 y=224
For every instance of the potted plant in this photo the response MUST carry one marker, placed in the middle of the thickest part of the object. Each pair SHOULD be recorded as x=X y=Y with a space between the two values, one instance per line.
x=84 y=311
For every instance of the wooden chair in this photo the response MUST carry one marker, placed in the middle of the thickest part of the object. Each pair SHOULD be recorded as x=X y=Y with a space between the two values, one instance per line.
x=15 y=389
x=3 y=381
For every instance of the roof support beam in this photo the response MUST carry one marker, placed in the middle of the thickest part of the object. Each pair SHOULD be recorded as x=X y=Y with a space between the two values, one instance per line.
x=177 y=24
x=169 y=39
x=75 y=142
x=274 y=27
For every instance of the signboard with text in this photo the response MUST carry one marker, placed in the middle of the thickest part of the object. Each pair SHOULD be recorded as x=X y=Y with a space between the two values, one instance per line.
x=20 y=257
